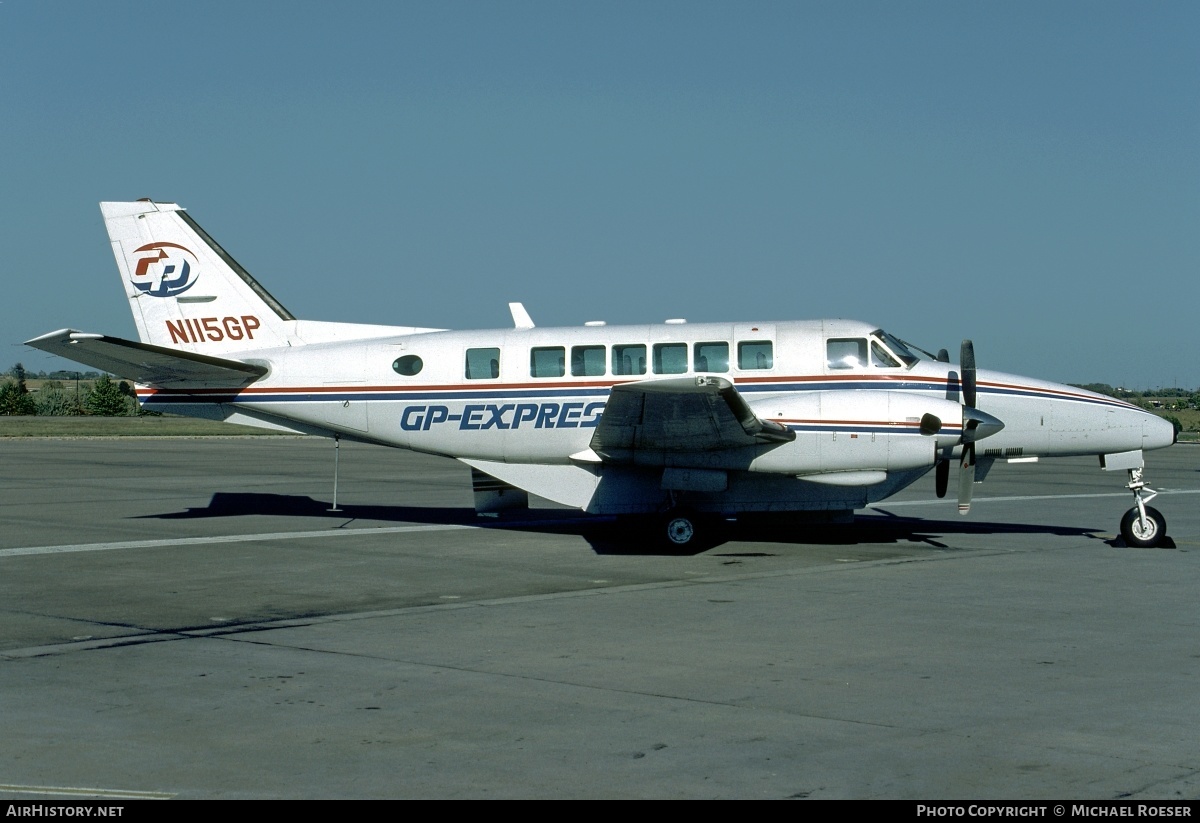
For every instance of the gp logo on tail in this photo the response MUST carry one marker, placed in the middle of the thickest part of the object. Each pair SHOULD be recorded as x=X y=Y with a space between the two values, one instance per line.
x=163 y=269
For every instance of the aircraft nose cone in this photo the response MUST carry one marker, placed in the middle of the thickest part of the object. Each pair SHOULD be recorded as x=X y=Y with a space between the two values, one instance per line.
x=978 y=425
x=1157 y=433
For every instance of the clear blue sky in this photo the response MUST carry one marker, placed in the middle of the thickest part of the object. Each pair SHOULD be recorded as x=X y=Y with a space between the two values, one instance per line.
x=1024 y=174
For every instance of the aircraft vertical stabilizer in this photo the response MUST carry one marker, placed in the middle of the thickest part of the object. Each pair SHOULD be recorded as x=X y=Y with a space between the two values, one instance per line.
x=185 y=290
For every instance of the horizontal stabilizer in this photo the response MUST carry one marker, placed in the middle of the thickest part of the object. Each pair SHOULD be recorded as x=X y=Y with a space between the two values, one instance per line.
x=147 y=364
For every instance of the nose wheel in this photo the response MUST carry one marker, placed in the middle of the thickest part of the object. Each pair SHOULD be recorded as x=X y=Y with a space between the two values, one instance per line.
x=1143 y=531
x=1143 y=526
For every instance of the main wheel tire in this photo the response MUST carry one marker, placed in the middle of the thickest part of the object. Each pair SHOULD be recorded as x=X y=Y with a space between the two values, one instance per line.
x=1141 y=537
x=680 y=530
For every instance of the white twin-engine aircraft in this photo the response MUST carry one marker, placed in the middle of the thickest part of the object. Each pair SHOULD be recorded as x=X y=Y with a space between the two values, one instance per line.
x=687 y=422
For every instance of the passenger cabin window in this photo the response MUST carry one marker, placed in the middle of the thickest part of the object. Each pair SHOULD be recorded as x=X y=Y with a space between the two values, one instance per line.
x=587 y=361
x=846 y=352
x=711 y=357
x=483 y=364
x=755 y=354
x=670 y=358
x=547 y=361
x=408 y=365
x=630 y=359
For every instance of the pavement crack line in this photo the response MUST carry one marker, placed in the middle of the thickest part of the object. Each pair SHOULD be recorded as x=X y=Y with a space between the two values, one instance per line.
x=151 y=635
x=546 y=680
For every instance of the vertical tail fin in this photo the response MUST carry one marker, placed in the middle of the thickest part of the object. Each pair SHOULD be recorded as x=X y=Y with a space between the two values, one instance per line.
x=185 y=290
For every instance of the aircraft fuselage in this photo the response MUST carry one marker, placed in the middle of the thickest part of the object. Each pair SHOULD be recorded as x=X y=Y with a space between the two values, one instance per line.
x=536 y=396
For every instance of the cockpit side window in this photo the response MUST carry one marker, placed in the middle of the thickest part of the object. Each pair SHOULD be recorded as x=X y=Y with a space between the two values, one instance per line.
x=881 y=358
x=898 y=348
x=846 y=352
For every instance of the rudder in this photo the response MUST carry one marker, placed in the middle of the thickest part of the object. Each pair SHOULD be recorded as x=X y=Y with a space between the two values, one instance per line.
x=185 y=291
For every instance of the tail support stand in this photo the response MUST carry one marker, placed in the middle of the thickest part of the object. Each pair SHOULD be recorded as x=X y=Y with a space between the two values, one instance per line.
x=337 y=448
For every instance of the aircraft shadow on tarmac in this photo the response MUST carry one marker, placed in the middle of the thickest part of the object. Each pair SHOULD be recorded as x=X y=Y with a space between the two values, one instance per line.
x=607 y=535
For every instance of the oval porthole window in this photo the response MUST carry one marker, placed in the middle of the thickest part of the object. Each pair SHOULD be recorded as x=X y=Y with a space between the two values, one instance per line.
x=408 y=365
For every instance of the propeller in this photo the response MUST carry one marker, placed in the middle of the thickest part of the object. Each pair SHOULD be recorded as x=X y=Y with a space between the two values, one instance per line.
x=966 y=362
x=976 y=426
x=966 y=474
x=942 y=477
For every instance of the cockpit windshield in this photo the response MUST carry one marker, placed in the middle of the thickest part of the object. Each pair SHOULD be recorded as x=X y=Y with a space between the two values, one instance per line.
x=897 y=348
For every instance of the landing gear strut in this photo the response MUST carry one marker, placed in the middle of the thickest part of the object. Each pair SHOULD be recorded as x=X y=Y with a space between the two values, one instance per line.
x=1143 y=526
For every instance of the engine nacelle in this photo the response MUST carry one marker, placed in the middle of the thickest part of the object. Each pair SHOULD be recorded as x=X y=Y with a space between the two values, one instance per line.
x=859 y=434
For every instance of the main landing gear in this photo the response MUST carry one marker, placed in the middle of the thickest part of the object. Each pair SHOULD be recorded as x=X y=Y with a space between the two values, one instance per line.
x=679 y=528
x=1143 y=526
x=684 y=530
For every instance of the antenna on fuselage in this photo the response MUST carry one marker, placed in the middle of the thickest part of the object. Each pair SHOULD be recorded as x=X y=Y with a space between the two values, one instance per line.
x=521 y=318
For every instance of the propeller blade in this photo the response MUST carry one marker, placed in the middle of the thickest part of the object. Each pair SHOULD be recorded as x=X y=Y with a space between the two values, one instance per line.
x=943 y=356
x=967 y=362
x=942 y=477
x=966 y=479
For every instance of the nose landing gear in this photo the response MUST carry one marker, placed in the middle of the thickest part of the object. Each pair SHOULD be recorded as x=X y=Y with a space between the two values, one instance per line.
x=1143 y=526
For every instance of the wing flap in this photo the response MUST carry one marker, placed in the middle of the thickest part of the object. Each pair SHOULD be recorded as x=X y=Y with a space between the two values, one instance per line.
x=147 y=364
x=699 y=414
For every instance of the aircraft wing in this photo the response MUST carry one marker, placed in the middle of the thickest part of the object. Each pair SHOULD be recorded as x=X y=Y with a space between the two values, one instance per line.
x=694 y=414
x=147 y=364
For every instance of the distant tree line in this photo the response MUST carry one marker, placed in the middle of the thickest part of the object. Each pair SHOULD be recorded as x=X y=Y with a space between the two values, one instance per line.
x=1132 y=394
x=1140 y=397
x=102 y=397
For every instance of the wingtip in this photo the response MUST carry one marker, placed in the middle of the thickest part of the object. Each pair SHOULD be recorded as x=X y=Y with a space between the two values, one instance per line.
x=60 y=334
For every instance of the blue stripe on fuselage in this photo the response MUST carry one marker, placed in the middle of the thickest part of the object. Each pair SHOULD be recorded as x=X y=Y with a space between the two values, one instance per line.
x=444 y=394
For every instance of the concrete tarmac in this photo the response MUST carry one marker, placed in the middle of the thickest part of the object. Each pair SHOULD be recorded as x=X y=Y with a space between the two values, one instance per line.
x=184 y=618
